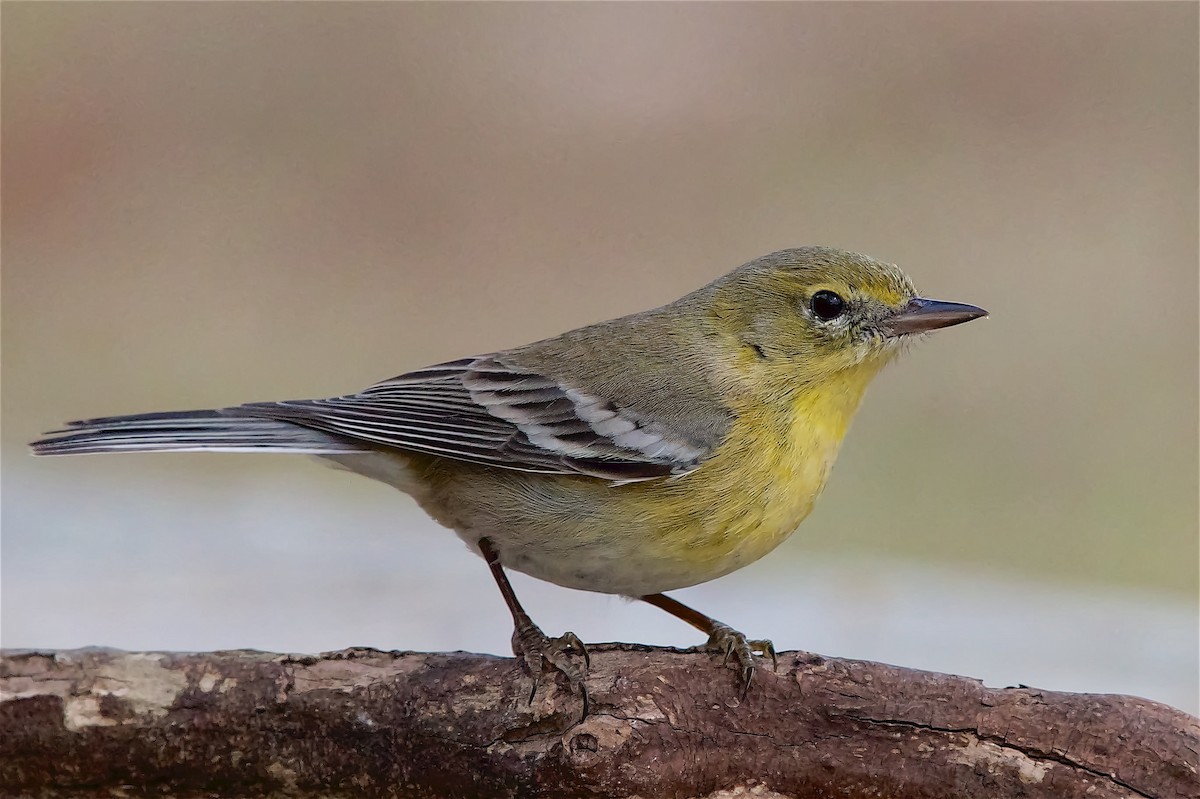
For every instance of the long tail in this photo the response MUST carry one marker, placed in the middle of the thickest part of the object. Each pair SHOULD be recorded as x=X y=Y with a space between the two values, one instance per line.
x=191 y=431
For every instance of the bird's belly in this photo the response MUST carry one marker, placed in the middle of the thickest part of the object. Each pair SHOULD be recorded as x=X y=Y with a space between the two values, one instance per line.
x=637 y=539
x=633 y=539
x=638 y=562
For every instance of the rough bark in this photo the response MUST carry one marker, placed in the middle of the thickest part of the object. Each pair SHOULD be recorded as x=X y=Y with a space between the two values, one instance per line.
x=663 y=723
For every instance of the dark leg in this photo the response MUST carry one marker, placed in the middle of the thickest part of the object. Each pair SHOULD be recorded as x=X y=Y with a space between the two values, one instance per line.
x=530 y=643
x=722 y=639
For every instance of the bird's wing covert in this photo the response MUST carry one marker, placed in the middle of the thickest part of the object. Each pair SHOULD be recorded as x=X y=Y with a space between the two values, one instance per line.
x=487 y=411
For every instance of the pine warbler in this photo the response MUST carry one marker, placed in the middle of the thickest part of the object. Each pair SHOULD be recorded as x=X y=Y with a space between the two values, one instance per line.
x=634 y=456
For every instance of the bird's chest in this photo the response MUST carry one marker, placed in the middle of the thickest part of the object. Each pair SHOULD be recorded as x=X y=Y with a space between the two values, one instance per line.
x=760 y=491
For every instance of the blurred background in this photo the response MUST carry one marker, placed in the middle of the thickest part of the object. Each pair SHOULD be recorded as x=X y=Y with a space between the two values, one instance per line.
x=206 y=204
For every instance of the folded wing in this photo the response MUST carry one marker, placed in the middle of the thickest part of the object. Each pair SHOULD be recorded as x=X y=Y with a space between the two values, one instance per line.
x=483 y=410
x=488 y=411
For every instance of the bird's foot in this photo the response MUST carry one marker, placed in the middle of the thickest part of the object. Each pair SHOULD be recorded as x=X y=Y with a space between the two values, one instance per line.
x=730 y=644
x=542 y=654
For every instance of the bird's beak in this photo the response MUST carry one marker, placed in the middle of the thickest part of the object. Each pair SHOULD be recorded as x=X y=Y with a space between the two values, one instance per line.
x=922 y=315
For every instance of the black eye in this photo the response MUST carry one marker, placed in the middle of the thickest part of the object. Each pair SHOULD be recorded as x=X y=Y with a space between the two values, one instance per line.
x=827 y=306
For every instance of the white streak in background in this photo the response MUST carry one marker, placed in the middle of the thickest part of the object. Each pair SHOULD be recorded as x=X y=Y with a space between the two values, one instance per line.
x=303 y=562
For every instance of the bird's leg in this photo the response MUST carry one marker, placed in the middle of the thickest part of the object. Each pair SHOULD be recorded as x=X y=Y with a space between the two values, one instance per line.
x=539 y=652
x=722 y=639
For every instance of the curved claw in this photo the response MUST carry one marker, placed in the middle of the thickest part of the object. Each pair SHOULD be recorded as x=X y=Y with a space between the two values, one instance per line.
x=570 y=640
x=728 y=642
x=542 y=654
x=764 y=647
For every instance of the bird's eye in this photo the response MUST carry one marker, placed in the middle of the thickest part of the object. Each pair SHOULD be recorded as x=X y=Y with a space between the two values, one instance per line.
x=827 y=306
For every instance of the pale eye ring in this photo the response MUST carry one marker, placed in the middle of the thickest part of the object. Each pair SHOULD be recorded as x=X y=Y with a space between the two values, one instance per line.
x=827 y=306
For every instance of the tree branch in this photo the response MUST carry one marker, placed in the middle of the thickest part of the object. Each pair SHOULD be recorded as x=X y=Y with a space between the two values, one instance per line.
x=664 y=723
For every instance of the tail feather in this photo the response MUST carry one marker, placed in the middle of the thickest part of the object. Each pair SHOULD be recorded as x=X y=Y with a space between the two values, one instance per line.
x=190 y=431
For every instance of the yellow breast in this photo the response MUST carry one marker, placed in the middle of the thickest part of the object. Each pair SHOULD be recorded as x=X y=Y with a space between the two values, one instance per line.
x=759 y=486
x=657 y=535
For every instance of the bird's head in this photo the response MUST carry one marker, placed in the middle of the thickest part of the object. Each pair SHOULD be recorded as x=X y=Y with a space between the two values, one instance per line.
x=803 y=316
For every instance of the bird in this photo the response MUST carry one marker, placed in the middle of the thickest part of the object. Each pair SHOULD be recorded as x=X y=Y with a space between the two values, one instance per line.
x=633 y=456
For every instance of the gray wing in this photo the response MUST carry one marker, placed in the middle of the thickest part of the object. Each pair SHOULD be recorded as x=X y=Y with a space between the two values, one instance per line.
x=489 y=411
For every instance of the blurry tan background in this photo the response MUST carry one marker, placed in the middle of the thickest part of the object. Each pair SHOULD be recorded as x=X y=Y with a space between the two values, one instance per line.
x=209 y=204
